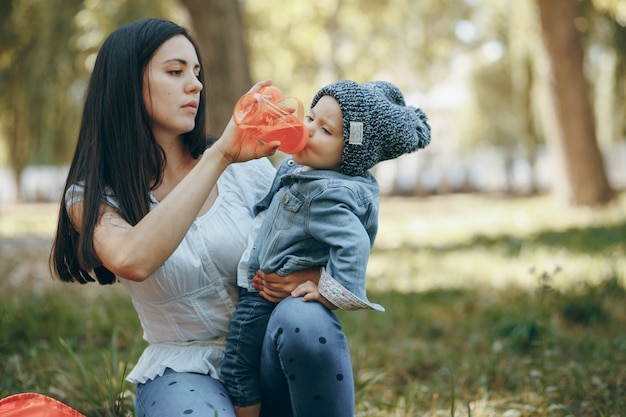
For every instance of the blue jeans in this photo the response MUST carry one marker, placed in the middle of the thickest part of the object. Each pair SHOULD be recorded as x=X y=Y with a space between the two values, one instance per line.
x=293 y=357
x=241 y=367
x=181 y=394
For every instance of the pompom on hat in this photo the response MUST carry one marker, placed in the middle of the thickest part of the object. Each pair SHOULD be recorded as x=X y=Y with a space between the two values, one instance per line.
x=377 y=124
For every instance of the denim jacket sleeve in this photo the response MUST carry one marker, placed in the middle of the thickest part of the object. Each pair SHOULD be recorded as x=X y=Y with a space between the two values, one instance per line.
x=347 y=223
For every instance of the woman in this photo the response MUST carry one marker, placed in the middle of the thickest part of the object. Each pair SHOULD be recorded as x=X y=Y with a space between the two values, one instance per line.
x=147 y=205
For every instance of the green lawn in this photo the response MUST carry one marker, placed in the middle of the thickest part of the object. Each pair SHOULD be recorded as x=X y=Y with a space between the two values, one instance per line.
x=495 y=307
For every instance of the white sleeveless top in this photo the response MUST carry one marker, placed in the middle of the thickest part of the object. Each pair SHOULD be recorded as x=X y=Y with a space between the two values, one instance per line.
x=185 y=306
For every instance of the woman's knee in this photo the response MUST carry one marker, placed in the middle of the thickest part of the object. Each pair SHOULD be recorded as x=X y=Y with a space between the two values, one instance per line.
x=293 y=312
x=307 y=361
x=305 y=325
x=183 y=393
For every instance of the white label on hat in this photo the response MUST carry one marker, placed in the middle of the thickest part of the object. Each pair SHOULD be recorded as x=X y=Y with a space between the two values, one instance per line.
x=356 y=133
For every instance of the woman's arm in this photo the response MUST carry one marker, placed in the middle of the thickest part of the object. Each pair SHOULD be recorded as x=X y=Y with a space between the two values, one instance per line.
x=135 y=252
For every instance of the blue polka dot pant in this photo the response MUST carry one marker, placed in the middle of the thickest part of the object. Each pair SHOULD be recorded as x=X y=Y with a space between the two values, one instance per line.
x=305 y=363
x=183 y=394
x=305 y=371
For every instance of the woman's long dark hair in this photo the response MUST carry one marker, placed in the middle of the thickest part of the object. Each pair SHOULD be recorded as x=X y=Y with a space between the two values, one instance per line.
x=116 y=149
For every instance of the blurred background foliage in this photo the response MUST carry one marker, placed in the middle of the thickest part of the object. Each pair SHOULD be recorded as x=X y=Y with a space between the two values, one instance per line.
x=500 y=306
x=478 y=67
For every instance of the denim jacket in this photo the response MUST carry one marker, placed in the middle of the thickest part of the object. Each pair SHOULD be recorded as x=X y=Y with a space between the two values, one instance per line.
x=319 y=218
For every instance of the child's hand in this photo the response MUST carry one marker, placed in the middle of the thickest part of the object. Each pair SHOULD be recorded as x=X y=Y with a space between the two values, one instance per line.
x=311 y=293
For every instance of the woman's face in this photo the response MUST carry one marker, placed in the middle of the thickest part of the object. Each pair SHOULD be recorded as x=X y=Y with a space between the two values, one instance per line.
x=171 y=89
x=325 y=145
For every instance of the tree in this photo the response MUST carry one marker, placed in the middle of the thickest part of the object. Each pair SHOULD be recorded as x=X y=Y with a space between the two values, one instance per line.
x=36 y=67
x=603 y=27
x=220 y=35
x=305 y=45
x=45 y=51
x=584 y=178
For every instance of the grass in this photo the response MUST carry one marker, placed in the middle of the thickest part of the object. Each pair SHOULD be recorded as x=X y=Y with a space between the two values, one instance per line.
x=495 y=307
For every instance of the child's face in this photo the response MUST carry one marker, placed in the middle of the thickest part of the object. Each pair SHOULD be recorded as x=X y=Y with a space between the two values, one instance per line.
x=325 y=145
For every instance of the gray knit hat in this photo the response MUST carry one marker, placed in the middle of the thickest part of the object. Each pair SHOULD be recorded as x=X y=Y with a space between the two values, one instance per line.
x=377 y=124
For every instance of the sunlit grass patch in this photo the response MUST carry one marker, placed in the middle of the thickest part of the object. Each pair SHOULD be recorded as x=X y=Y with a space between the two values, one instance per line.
x=28 y=219
x=467 y=241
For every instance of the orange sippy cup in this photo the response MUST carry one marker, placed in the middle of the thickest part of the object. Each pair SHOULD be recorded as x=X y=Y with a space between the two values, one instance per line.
x=269 y=116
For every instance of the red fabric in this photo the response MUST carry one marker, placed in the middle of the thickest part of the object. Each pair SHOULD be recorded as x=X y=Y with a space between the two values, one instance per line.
x=30 y=404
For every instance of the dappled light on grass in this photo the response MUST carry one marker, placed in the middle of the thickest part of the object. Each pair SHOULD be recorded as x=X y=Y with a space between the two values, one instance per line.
x=497 y=266
x=494 y=307
x=468 y=241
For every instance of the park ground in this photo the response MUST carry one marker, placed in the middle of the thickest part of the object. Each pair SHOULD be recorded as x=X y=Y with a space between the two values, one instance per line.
x=495 y=307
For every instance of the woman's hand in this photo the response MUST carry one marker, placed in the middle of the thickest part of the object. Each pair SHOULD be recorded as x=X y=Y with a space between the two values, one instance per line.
x=237 y=146
x=274 y=287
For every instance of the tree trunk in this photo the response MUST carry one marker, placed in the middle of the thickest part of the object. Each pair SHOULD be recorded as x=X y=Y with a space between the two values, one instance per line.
x=218 y=29
x=20 y=149
x=585 y=181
